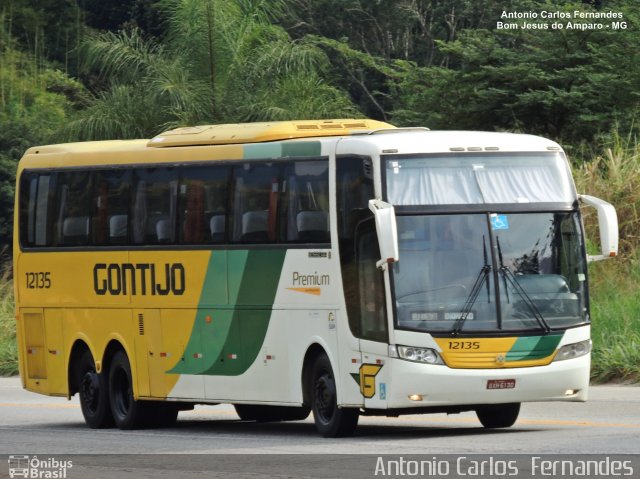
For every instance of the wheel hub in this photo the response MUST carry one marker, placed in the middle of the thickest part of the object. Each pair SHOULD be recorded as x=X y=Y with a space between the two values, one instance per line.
x=325 y=395
x=90 y=390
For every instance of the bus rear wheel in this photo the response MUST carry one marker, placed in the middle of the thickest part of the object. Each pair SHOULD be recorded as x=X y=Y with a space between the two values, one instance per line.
x=127 y=412
x=330 y=420
x=94 y=394
x=494 y=416
x=250 y=412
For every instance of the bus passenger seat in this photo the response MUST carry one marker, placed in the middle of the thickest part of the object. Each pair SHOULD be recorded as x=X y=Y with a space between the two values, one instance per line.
x=313 y=226
x=254 y=226
x=118 y=228
x=163 y=231
x=75 y=230
x=216 y=224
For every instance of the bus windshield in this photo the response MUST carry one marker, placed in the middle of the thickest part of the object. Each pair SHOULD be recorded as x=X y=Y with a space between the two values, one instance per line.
x=489 y=272
x=478 y=179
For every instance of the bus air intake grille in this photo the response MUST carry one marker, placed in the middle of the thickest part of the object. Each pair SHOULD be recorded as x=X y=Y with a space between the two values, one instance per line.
x=141 y=324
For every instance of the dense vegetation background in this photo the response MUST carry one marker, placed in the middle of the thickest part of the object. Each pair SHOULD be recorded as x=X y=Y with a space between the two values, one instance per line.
x=97 y=69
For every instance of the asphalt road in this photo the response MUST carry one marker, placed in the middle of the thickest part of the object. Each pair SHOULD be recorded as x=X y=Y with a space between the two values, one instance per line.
x=609 y=423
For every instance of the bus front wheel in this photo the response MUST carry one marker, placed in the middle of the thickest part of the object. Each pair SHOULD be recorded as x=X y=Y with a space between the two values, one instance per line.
x=498 y=415
x=93 y=392
x=127 y=412
x=330 y=420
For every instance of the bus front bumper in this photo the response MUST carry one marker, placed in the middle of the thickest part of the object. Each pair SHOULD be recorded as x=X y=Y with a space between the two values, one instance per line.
x=416 y=385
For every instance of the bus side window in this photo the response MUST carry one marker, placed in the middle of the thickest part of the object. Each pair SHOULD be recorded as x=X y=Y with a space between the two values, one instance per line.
x=73 y=208
x=35 y=224
x=255 y=203
x=111 y=215
x=203 y=204
x=305 y=217
x=154 y=206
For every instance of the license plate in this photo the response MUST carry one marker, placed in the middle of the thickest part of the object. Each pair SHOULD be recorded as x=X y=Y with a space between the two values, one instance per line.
x=501 y=383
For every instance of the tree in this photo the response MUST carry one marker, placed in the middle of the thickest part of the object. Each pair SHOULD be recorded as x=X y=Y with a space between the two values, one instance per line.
x=563 y=84
x=34 y=101
x=220 y=61
x=46 y=29
x=391 y=29
x=114 y=15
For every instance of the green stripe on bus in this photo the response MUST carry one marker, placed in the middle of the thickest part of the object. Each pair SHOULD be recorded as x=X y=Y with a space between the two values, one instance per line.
x=281 y=150
x=231 y=340
x=534 y=347
x=260 y=277
x=261 y=151
x=301 y=148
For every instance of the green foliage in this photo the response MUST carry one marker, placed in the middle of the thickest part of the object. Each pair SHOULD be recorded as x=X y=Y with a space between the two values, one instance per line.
x=117 y=14
x=615 y=309
x=570 y=85
x=367 y=79
x=34 y=101
x=8 y=346
x=44 y=28
x=220 y=61
x=613 y=174
x=391 y=29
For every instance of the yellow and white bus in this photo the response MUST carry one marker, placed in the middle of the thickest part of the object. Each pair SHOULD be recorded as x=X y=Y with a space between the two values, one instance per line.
x=343 y=267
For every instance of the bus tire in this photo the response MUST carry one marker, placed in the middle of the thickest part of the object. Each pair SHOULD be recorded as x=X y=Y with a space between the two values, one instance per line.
x=127 y=412
x=330 y=420
x=251 y=412
x=93 y=390
x=493 y=416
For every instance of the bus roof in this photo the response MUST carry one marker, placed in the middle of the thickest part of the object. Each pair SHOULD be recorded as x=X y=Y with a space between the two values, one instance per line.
x=241 y=133
x=279 y=139
x=409 y=141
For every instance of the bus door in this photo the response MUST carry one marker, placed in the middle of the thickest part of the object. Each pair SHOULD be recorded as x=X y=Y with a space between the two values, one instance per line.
x=363 y=282
x=373 y=327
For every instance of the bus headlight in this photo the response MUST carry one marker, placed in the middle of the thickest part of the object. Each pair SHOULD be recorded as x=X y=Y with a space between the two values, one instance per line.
x=574 y=350
x=419 y=355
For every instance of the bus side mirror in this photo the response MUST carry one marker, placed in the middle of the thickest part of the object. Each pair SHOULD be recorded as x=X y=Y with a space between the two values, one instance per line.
x=608 y=225
x=385 y=216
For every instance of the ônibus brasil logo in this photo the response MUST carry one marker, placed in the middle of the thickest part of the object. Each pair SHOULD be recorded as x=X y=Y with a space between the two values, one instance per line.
x=32 y=467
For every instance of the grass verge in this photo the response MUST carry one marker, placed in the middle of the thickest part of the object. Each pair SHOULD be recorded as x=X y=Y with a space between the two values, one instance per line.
x=615 y=314
x=613 y=174
x=8 y=348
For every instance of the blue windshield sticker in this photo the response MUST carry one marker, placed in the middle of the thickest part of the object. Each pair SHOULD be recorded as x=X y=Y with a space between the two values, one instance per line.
x=499 y=222
x=383 y=391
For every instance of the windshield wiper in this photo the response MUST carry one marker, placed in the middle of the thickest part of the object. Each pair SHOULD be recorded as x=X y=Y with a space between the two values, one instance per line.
x=473 y=294
x=508 y=275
